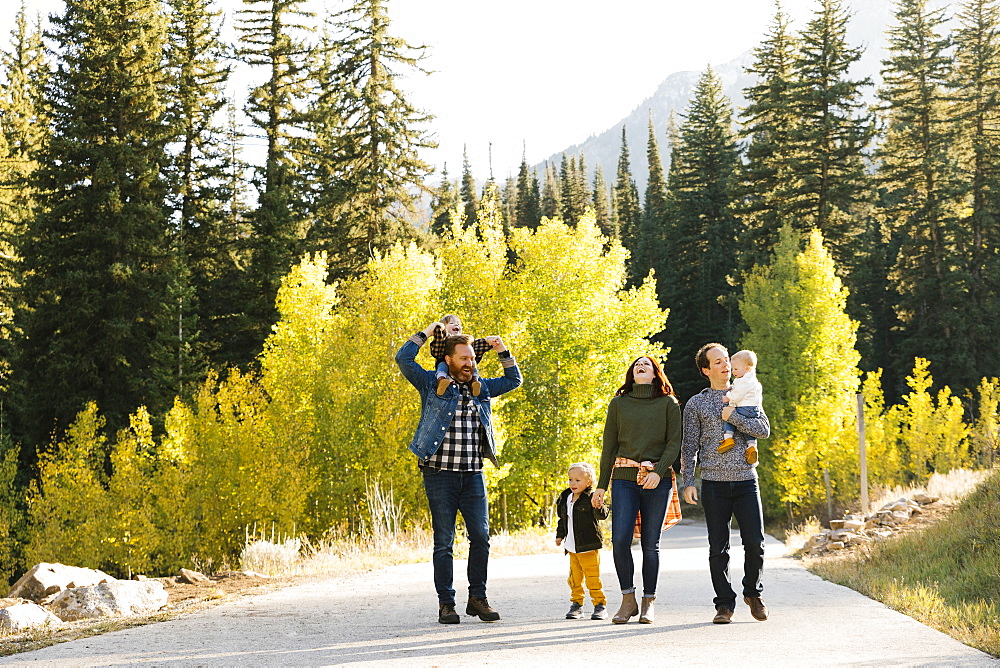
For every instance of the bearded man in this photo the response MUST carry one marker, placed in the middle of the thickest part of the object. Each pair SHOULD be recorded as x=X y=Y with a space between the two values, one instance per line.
x=454 y=435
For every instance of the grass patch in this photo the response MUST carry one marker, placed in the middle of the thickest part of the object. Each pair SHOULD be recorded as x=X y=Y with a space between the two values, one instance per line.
x=946 y=576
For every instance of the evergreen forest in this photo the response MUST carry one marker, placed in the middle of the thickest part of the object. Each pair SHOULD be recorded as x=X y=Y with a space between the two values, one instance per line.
x=194 y=342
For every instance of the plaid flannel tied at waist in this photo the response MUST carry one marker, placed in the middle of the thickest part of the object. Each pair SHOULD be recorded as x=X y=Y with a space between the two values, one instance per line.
x=673 y=514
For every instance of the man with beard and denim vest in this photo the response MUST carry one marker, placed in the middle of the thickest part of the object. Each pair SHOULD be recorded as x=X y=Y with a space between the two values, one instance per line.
x=728 y=483
x=453 y=436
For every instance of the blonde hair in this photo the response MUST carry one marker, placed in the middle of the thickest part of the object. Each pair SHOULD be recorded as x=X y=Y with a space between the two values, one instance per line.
x=748 y=355
x=445 y=319
x=586 y=468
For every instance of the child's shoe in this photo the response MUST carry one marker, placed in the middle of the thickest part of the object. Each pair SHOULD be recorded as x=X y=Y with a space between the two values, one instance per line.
x=600 y=612
x=727 y=444
x=575 y=611
x=443 y=383
x=751 y=455
x=476 y=387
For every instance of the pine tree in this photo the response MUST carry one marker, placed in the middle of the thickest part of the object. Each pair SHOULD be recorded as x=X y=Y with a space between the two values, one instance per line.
x=97 y=257
x=528 y=212
x=649 y=243
x=551 y=203
x=977 y=81
x=924 y=200
x=626 y=211
x=443 y=204
x=831 y=190
x=768 y=120
x=468 y=190
x=268 y=39
x=195 y=58
x=602 y=207
x=24 y=128
x=692 y=281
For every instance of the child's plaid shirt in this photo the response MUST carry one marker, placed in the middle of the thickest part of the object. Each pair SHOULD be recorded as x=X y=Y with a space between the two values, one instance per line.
x=479 y=346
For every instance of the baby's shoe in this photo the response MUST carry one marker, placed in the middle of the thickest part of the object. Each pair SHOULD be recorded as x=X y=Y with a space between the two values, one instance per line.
x=476 y=387
x=443 y=383
x=600 y=612
x=751 y=454
x=575 y=611
x=727 y=444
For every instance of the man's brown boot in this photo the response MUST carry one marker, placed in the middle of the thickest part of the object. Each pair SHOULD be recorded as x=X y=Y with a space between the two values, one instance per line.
x=480 y=607
x=757 y=608
x=647 y=615
x=723 y=615
x=627 y=611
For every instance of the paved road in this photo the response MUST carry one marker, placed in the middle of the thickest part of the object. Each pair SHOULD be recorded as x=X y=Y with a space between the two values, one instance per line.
x=391 y=616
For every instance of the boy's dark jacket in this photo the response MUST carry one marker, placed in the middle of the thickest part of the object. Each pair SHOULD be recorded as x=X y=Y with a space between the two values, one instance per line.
x=586 y=532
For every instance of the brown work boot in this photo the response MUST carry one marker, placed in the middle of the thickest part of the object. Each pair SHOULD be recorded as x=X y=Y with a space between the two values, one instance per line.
x=480 y=607
x=447 y=614
x=751 y=455
x=443 y=383
x=627 y=611
x=647 y=615
x=727 y=444
x=723 y=615
x=757 y=608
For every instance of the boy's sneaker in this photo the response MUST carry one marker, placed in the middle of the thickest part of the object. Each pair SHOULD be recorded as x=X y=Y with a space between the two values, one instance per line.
x=443 y=383
x=727 y=444
x=575 y=611
x=751 y=455
x=476 y=387
x=480 y=607
x=600 y=612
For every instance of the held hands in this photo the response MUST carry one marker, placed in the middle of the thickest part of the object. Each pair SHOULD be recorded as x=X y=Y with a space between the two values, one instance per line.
x=597 y=498
x=725 y=399
x=652 y=480
x=496 y=342
x=726 y=412
x=558 y=541
x=691 y=495
x=429 y=330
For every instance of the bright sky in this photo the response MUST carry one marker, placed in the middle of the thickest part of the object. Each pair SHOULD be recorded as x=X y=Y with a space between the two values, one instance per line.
x=545 y=73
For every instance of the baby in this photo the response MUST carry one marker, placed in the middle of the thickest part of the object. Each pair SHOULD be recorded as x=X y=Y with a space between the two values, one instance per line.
x=579 y=533
x=452 y=326
x=746 y=397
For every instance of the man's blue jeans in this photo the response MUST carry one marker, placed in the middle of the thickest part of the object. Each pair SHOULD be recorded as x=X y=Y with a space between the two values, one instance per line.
x=628 y=499
x=722 y=501
x=449 y=492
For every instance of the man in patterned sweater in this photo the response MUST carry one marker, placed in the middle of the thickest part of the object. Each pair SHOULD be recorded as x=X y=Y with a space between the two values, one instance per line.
x=453 y=436
x=728 y=483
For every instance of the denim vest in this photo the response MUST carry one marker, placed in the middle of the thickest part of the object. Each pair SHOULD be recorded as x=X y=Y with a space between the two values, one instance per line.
x=437 y=412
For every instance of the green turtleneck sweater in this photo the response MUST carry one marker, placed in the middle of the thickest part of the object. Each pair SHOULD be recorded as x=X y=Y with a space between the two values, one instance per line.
x=640 y=427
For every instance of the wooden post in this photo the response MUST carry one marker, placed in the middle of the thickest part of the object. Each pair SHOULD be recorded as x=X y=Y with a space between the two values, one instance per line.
x=829 y=501
x=862 y=453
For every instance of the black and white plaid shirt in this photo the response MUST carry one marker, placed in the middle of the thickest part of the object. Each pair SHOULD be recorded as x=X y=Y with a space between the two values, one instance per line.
x=460 y=447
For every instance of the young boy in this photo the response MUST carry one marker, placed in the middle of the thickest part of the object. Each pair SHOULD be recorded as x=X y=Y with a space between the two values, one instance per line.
x=452 y=326
x=580 y=535
x=746 y=397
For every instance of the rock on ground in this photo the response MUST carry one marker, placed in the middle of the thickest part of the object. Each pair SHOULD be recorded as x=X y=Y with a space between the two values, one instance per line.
x=119 y=598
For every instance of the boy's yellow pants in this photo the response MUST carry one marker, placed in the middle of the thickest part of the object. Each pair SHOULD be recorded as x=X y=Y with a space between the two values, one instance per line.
x=586 y=565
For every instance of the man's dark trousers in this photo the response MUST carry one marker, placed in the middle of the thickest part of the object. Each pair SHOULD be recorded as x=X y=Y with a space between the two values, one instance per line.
x=722 y=501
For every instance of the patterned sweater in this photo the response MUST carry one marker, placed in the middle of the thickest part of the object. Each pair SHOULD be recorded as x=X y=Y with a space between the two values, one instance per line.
x=703 y=429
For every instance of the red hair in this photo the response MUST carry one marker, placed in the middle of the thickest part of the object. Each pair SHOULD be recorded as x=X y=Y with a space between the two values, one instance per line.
x=661 y=386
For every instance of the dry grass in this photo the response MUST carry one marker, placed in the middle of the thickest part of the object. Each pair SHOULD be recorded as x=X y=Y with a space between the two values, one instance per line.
x=945 y=575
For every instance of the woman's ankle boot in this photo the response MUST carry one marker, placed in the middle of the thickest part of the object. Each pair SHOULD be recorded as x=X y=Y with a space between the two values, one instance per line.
x=628 y=610
x=647 y=615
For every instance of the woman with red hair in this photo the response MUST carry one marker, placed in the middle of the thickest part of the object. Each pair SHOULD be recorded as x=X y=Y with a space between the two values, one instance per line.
x=642 y=440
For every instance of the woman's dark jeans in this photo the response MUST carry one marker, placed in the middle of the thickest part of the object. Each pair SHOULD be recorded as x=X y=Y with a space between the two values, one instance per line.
x=449 y=492
x=628 y=499
x=722 y=501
